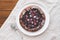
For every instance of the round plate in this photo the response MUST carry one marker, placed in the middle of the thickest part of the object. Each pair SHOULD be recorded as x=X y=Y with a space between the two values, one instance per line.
x=39 y=31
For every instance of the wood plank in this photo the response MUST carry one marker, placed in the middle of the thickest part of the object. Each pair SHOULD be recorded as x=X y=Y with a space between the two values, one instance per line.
x=3 y=16
x=2 y=20
x=4 y=13
x=8 y=0
x=5 y=8
x=0 y=24
x=7 y=5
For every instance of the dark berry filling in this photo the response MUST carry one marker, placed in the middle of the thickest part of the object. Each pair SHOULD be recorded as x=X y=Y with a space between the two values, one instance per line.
x=32 y=19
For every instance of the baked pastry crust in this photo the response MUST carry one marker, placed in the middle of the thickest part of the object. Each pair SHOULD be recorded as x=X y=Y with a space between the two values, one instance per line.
x=32 y=18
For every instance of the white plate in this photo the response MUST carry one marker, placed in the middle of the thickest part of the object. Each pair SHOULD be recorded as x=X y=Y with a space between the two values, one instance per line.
x=39 y=31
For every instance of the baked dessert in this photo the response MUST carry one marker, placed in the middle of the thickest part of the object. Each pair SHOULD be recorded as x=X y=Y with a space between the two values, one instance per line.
x=32 y=18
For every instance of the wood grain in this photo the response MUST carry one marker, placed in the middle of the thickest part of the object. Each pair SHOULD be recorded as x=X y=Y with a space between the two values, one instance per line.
x=6 y=7
x=9 y=0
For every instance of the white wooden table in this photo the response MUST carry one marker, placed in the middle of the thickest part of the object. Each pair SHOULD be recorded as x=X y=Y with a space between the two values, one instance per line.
x=52 y=32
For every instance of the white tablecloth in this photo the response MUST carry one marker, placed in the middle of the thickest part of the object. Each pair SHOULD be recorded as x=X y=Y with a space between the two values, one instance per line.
x=52 y=32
